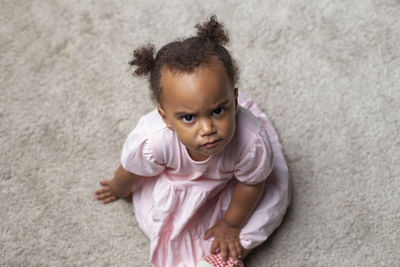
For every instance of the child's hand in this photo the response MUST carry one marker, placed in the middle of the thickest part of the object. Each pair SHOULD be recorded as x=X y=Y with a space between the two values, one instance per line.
x=226 y=239
x=105 y=194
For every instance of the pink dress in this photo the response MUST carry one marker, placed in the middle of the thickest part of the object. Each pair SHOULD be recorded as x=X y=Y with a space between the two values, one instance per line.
x=179 y=199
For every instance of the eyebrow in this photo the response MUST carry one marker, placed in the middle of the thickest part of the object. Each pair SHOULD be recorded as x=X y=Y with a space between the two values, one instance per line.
x=222 y=103
x=182 y=113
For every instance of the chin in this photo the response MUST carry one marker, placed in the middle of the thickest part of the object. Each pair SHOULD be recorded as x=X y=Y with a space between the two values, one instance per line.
x=217 y=151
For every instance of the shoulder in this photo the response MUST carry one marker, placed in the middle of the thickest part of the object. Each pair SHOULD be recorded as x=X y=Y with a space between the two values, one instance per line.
x=248 y=130
x=151 y=126
x=142 y=153
x=253 y=160
x=151 y=122
x=247 y=122
x=152 y=131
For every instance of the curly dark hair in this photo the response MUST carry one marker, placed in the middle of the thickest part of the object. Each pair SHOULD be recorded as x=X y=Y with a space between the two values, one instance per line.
x=185 y=56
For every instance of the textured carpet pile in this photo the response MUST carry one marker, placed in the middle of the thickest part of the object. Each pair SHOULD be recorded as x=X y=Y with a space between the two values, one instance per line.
x=326 y=72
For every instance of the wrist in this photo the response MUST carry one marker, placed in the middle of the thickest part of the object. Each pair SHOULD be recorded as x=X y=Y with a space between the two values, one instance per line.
x=231 y=223
x=118 y=189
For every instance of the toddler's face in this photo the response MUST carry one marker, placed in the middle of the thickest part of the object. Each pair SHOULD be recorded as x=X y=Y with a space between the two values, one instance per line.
x=200 y=107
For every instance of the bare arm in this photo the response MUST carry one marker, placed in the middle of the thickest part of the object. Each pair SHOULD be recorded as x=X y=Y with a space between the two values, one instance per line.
x=226 y=232
x=118 y=187
x=123 y=181
x=244 y=199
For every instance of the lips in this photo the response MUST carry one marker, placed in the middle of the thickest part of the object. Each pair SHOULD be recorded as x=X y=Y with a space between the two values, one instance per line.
x=212 y=143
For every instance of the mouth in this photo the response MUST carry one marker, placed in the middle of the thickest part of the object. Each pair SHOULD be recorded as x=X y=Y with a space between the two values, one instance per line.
x=212 y=143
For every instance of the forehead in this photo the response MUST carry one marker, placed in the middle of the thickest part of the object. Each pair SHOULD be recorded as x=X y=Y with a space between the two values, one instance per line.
x=199 y=90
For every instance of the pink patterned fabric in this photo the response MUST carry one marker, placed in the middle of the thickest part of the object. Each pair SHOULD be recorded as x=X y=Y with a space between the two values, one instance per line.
x=179 y=199
x=216 y=261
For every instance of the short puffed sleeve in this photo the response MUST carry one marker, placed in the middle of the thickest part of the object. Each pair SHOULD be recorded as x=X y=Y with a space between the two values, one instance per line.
x=255 y=165
x=138 y=156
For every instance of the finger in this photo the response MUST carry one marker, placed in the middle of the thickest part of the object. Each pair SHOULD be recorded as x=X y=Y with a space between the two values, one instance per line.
x=209 y=233
x=233 y=253
x=105 y=182
x=239 y=249
x=214 y=246
x=98 y=193
x=102 y=190
x=224 y=251
x=110 y=199
x=104 y=195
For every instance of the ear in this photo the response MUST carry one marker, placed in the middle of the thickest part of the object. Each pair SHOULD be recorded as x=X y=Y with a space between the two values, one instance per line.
x=164 y=117
x=236 y=92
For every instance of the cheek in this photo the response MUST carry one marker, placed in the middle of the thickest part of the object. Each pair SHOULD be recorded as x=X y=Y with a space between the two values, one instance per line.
x=227 y=126
x=184 y=134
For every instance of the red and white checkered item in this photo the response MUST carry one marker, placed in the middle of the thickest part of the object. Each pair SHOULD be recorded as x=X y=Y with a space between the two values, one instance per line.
x=216 y=261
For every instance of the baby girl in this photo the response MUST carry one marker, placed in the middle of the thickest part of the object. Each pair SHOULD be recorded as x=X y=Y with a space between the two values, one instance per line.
x=204 y=170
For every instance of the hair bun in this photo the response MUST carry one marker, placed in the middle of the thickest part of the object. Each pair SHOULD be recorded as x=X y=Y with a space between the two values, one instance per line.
x=143 y=58
x=213 y=31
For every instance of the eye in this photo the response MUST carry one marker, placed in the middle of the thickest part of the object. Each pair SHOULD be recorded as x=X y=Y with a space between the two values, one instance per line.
x=218 y=111
x=187 y=118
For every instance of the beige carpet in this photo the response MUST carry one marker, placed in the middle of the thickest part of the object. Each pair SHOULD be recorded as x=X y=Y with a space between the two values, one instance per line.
x=326 y=72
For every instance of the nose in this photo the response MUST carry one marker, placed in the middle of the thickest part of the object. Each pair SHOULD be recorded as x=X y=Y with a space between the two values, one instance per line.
x=207 y=127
